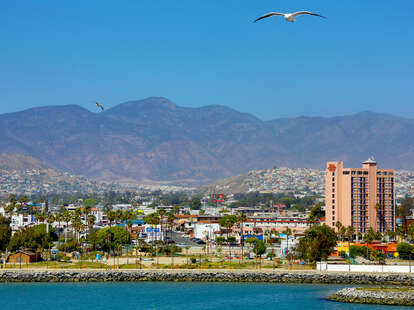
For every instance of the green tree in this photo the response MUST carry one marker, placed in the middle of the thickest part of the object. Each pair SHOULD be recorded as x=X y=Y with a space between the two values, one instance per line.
x=355 y=251
x=410 y=232
x=5 y=232
x=242 y=219
x=112 y=238
x=404 y=210
x=90 y=202
x=152 y=219
x=33 y=238
x=93 y=238
x=405 y=250
x=111 y=216
x=259 y=249
x=41 y=217
x=318 y=242
x=161 y=213
x=350 y=231
x=342 y=233
x=170 y=221
x=378 y=256
x=50 y=219
x=338 y=225
x=288 y=232
x=390 y=234
x=372 y=235
x=66 y=217
x=316 y=213
x=91 y=221
x=251 y=241
x=195 y=203
x=228 y=221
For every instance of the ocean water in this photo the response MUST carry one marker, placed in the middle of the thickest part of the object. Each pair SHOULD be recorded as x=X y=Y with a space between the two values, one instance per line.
x=160 y=296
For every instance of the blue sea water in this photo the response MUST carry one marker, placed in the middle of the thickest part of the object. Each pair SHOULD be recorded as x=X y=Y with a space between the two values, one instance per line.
x=171 y=296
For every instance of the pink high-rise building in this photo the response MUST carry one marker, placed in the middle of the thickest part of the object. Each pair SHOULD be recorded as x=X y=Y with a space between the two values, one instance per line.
x=361 y=198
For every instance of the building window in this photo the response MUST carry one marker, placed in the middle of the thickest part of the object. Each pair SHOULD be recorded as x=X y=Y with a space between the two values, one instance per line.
x=333 y=200
x=333 y=195
x=333 y=184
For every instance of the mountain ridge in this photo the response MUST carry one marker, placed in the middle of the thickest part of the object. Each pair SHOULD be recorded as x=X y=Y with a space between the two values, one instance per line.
x=154 y=139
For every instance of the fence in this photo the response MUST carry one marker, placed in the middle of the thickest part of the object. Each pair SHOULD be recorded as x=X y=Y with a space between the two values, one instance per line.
x=323 y=266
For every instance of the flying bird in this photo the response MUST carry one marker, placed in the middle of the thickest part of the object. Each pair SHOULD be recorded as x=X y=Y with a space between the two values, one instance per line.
x=99 y=106
x=290 y=17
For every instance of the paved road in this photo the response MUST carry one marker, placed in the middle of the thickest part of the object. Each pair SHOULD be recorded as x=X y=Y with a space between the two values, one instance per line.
x=180 y=240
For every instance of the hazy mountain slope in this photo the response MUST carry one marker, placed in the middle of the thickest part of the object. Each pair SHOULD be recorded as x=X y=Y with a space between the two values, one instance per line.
x=20 y=162
x=154 y=139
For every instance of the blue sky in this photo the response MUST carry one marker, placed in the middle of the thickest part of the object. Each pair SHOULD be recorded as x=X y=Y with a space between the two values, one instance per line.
x=198 y=52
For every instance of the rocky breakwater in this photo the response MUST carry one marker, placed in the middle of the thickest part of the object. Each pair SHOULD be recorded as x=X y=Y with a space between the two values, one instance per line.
x=379 y=296
x=271 y=276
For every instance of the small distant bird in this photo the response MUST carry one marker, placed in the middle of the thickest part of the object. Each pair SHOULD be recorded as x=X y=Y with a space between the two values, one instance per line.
x=290 y=17
x=99 y=106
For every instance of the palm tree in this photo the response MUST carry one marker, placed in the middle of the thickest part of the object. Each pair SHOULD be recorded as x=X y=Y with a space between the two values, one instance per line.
x=228 y=221
x=176 y=210
x=338 y=225
x=87 y=210
x=390 y=234
x=40 y=217
x=342 y=232
x=400 y=232
x=77 y=226
x=22 y=201
x=242 y=219
x=404 y=210
x=90 y=220
x=287 y=232
x=187 y=247
x=111 y=216
x=66 y=217
x=118 y=216
x=170 y=221
x=153 y=219
x=50 y=218
x=161 y=213
x=350 y=231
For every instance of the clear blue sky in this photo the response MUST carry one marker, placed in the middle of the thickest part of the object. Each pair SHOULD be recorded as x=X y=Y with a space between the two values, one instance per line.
x=199 y=52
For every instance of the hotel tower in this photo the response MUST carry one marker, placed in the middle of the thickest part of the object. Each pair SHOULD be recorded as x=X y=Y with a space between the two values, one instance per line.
x=361 y=198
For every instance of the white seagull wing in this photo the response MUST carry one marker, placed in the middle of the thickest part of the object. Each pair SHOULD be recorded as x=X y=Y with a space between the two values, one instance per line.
x=269 y=15
x=307 y=13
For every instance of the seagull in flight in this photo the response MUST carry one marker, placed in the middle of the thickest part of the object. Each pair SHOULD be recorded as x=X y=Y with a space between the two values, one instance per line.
x=290 y=17
x=99 y=106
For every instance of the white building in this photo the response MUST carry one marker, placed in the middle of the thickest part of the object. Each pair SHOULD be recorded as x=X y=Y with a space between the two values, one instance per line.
x=21 y=220
x=204 y=230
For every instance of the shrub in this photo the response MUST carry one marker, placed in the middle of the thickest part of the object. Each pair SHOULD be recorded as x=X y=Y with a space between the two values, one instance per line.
x=405 y=250
x=356 y=251
x=231 y=239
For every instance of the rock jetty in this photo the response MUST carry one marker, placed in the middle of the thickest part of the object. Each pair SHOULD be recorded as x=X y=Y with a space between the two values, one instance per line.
x=276 y=276
x=378 y=296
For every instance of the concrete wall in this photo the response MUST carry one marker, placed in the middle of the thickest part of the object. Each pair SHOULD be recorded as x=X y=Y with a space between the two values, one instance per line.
x=364 y=268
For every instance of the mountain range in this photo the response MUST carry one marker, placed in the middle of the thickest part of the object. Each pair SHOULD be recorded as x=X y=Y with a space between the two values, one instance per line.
x=155 y=141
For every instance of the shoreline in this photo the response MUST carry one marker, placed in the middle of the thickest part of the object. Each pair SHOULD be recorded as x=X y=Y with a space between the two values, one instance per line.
x=264 y=276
